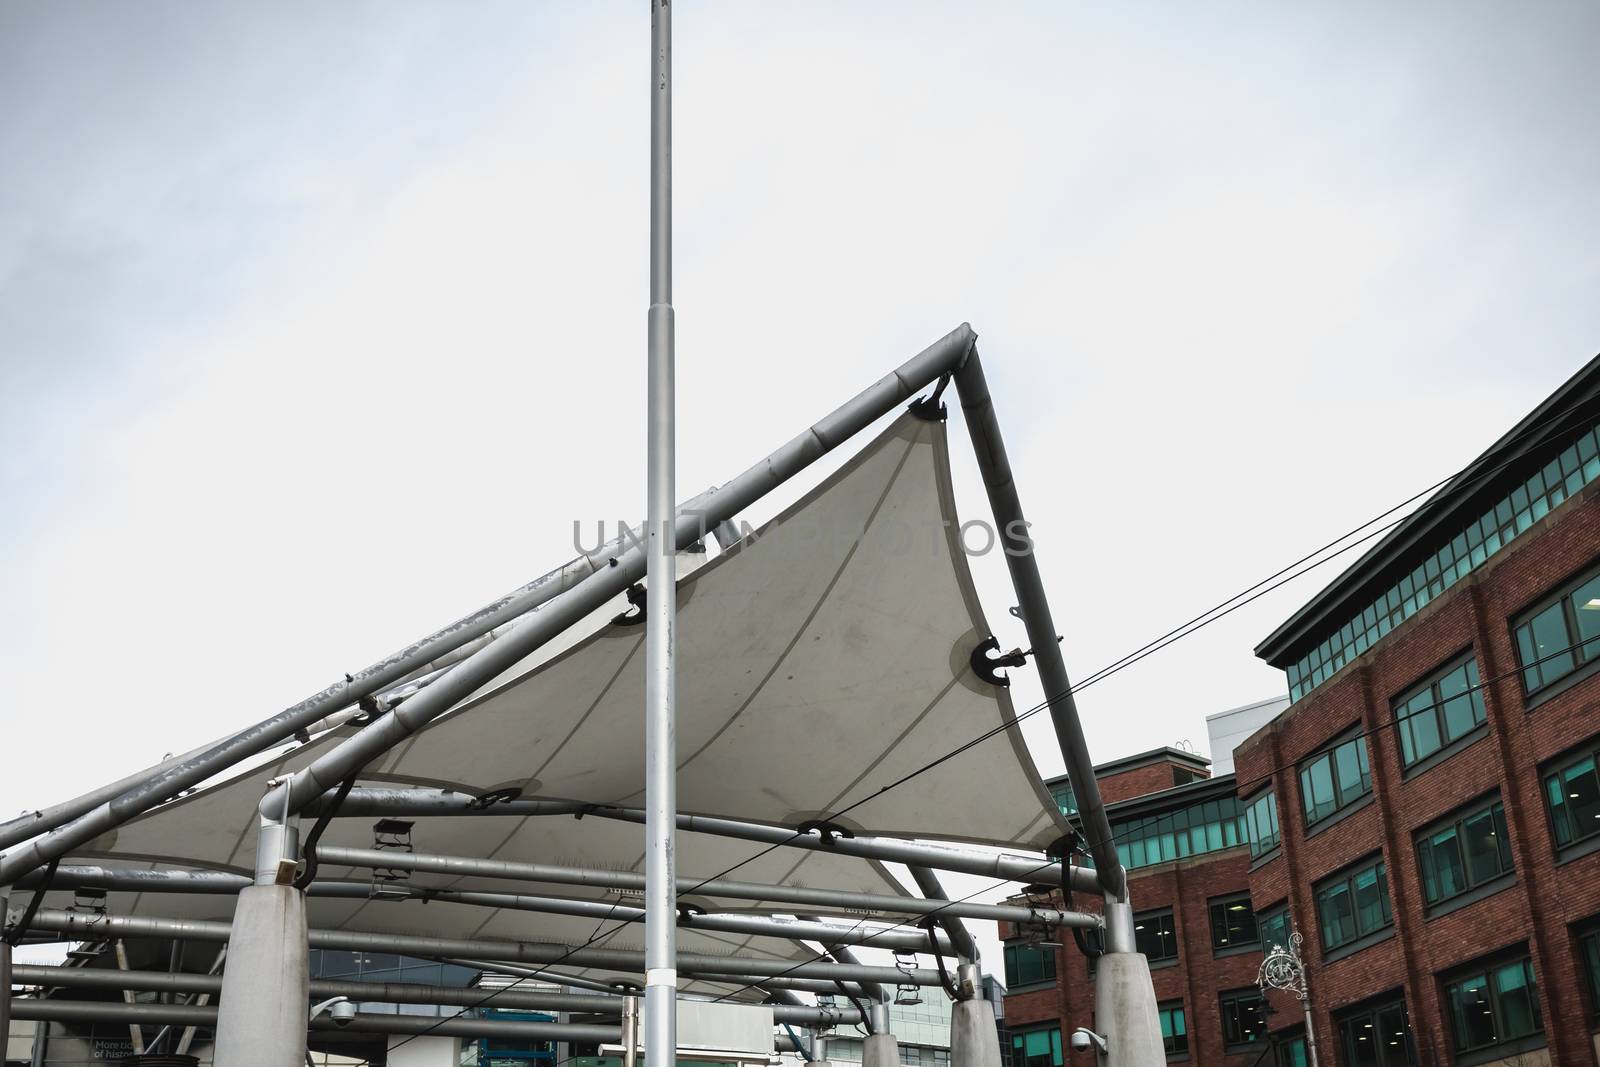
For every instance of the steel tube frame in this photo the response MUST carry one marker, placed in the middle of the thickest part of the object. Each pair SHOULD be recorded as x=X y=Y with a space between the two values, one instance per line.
x=995 y=468
x=109 y=806
x=364 y=802
x=530 y=633
x=959 y=935
x=145 y=880
x=715 y=887
x=661 y=604
x=536 y=952
x=169 y=983
x=192 y=1015
x=809 y=985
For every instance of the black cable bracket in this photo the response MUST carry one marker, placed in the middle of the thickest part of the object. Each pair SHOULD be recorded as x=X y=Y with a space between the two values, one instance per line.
x=635 y=616
x=987 y=668
x=828 y=831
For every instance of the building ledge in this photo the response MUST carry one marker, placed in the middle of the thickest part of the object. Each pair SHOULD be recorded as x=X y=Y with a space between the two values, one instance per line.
x=1472 y=896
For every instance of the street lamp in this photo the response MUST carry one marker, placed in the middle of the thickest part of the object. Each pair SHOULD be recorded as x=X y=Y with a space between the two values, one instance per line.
x=1284 y=969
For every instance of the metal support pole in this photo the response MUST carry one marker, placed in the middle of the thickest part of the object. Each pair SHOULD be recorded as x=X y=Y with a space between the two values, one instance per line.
x=960 y=936
x=5 y=986
x=1028 y=584
x=716 y=887
x=363 y=803
x=524 y=952
x=630 y=1031
x=661 y=607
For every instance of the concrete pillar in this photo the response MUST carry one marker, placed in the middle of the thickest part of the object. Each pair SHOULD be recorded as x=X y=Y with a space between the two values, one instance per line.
x=880 y=1050
x=266 y=985
x=1125 y=1011
x=424 y=1052
x=974 y=1038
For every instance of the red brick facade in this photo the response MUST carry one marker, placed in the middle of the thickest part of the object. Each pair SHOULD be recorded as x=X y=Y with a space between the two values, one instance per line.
x=1545 y=899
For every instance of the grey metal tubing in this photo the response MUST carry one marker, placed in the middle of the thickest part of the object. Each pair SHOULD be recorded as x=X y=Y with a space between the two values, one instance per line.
x=989 y=447
x=960 y=936
x=378 y=992
x=110 y=806
x=715 y=887
x=89 y=926
x=874 y=990
x=191 y=1015
x=532 y=632
x=661 y=604
x=363 y=802
x=809 y=985
x=223 y=883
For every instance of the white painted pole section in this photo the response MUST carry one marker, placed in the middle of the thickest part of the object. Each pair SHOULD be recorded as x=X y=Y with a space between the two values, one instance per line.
x=661 y=756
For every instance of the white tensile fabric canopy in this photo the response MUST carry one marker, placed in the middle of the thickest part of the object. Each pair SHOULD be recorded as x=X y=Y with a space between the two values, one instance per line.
x=818 y=661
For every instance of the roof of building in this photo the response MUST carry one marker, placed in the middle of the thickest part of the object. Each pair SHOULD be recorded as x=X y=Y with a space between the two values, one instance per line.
x=1164 y=754
x=1567 y=410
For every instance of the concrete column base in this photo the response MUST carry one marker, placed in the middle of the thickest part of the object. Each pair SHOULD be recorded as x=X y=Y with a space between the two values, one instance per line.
x=265 y=985
x=974 y=1038
x=880 y=1050
x=1125 y=1011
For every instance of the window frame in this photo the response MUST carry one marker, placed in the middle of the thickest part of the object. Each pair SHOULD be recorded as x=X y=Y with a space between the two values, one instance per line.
x=1013 y=947
x=1231 y=998
x=1271 y=915
x=1430 y=683
x=1165 y=1017
x=1020 y=1034
x=1586 y=943
x=1155 y=915
x=1487 y=968
x=1226 y=947
x=1471 y=890
x=1346 y=877
x=1581 y=844
x=1342 y=802
x=1247 y=806
x=1582 y=669
x=1348 y=1021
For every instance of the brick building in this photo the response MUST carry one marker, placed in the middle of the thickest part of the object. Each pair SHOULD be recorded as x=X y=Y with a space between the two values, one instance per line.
x=1183 y=837
x=1426 y=811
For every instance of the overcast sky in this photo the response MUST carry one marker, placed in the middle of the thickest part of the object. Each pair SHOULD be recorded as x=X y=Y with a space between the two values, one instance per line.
x=320 y=324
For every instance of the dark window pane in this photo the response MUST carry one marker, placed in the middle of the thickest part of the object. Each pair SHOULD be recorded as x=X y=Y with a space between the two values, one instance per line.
x=1519 y=1009
x=1471 y=1012
x=1551 y=643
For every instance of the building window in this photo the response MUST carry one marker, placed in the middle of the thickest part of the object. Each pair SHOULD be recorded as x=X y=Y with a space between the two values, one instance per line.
x=1559 y=637
x=1261 y=823
x=1233 y=924
x=1292 y=1051
x=1197 y=829
x=1351 y=906
x=1589 y=949
x=1334 y=779
x=1573 y=794
x=1174 y=1033
x=1575 y=467
x=1156 y=935
x=1445 y=707
x=1493 y=1006
x=1029 y=965
x=1468 y=851
x=1061 y=793
x=1378 y=1036
x=1274 y=926
x=1244 y=1017
x=1036 y=1048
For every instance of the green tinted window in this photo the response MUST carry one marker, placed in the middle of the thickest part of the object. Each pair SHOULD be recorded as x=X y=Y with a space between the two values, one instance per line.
x=1438 y=711
x=1560 y=637
x=1465 y=853
x=1351 y=906
x=1036 y=1048
x=1576 y=466
x=1174 y=1031
x=1334 y=779
x=1029 y=964
x=1573 y=795
x=1261 y=823
x=1493 y=1006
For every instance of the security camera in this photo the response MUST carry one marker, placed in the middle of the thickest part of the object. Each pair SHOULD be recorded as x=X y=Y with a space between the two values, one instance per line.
x=343 y=1012
x=1083 y=1039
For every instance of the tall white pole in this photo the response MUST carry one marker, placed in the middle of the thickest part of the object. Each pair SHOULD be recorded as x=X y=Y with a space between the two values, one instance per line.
x=661 y=787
